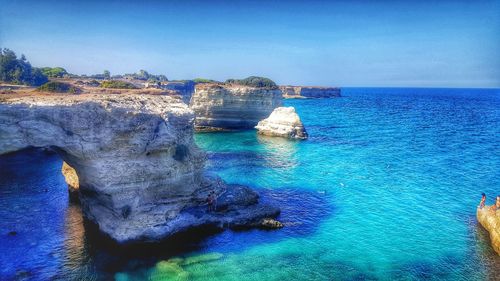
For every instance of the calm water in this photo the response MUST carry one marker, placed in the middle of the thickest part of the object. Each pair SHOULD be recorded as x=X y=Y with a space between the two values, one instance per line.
x=385 y=189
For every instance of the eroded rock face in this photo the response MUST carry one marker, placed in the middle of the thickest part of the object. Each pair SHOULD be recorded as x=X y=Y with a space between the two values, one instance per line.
x=283 y=122
x=309 y=92
x=140 y=174
x=490 y=220
x=72 y=181
x=232 y=107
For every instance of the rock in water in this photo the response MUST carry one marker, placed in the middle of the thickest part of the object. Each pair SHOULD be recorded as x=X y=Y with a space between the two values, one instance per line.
x=140 y=173
x=490 y=220
x=283 y=122
x=71 y=179
x=232 y=107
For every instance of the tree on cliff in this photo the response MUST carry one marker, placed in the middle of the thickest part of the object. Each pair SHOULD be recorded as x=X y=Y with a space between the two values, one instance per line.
x=54 y=72
x=19 y=71
x=254 y=81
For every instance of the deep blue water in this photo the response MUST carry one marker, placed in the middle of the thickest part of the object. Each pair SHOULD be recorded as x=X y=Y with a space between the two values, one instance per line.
x=385 y=188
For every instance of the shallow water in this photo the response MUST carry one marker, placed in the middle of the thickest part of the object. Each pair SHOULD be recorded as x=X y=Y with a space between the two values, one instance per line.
x=385 y=189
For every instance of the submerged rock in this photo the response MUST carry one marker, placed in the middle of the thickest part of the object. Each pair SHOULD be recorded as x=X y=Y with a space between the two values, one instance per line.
x=140 y=174
x=490 y=220
x=283 y=122
x=270 y=224
x=232 y=107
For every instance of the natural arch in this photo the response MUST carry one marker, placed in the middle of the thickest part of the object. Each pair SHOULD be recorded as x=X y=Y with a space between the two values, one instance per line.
x=140 y=174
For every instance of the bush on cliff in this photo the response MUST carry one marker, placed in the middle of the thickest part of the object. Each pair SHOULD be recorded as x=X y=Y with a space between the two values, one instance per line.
x=254 y=81
x=117 y=84
x=19 y=71
x=204 y=80
x=54 y=72
x=58 y=87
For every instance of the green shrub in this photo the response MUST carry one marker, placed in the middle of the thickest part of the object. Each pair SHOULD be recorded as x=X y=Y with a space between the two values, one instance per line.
x=19 y=71
x=58 y=87
x=117 y=84
x=254 y=81
x=204 y=80
x=54 y=72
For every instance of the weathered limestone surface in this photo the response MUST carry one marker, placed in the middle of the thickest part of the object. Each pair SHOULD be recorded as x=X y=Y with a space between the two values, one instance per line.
x=71 y=179
x=309 y=92
x=232 y=107
x=283 y=122
x=139 y=171
x=184 y=88
x=490 y=220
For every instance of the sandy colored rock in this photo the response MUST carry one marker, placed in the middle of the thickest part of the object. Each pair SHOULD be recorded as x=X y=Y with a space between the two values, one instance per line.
x=71 y=179
x=232 y=107
x=140 y=174
x=490 y=220
x=283 y=122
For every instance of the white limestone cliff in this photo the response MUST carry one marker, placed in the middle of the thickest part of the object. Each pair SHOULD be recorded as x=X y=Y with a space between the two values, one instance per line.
x=140 y=173
x=283 y=122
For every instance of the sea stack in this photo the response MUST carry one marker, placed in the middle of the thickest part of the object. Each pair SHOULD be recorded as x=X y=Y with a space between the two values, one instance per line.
x=221 y=107
x=490 y=220
x=283 y=122
x=140 y=175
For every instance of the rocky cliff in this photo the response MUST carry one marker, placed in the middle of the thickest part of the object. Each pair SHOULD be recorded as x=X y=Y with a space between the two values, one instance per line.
x=283 y=122
x=309 y=92
x=490 y=220
x=232 y=107
x=140 y=174
x=184 y=88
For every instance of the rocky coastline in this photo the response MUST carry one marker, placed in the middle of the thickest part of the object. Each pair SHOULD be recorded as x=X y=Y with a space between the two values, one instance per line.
x=232 y=107
x=140 y=175
x=490 y=220
x=300 y=92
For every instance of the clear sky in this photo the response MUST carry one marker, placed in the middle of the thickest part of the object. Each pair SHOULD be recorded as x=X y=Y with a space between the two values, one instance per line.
x=332 y=43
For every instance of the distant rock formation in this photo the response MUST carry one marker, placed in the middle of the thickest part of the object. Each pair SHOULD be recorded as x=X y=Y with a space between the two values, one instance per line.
x=309 y=92
x=283 y=122
x=184 y=88
x=71 y=179
x=490 y=220
x=140 y=174
x=232 y=107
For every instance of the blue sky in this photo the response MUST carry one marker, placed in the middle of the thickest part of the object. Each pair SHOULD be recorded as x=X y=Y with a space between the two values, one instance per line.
x=334 y=43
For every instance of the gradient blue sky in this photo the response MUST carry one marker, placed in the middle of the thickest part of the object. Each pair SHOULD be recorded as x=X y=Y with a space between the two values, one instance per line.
x=337 y=43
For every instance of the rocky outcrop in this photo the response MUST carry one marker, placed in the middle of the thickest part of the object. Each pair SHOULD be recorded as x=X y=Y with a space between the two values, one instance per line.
x=232 y=107
x=490 y=220
x=309 y=92
x=140 y=174
x=283 y=122
x=71 y=179
x=184 y=88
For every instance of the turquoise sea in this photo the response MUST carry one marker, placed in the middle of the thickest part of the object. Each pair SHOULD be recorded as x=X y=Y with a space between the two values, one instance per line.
x=385 y=188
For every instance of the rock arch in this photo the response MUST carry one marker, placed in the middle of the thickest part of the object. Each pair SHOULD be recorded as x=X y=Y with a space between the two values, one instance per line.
x=139 y=171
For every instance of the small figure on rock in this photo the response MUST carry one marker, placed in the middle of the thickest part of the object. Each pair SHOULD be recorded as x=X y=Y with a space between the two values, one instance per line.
x=483 y=201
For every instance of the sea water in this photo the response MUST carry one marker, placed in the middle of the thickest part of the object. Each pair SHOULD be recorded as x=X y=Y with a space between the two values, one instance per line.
x=385 y=188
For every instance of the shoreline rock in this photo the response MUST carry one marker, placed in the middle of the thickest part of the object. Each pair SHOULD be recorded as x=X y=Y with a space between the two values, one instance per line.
x=71 y=179
x=298 y=92
x=232 y=107
x=490 y=220
x=140 y=174
x=283 y=122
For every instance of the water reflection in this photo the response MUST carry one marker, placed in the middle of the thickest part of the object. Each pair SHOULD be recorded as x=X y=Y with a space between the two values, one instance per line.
x=279 y=152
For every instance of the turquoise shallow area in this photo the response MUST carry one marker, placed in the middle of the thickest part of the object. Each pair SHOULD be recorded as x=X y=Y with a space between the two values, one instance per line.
x=385 y=188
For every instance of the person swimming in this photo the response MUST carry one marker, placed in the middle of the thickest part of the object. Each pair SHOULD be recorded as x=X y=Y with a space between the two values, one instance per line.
x=483 y=201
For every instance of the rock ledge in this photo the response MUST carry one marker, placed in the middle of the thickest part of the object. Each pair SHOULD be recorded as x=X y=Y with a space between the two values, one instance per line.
x=283 y=122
